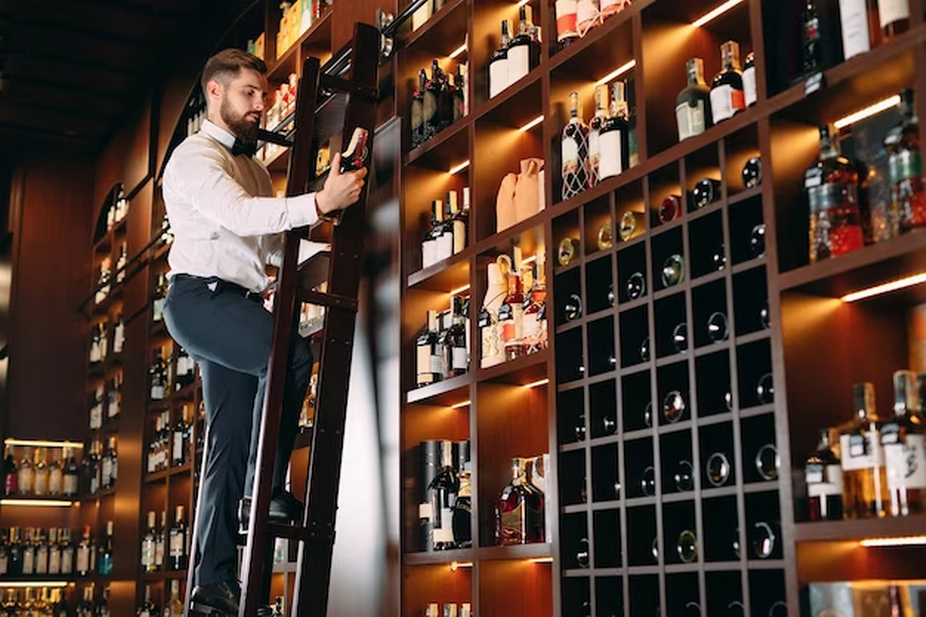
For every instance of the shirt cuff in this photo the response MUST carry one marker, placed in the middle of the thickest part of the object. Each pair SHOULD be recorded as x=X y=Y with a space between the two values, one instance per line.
x=301 y=210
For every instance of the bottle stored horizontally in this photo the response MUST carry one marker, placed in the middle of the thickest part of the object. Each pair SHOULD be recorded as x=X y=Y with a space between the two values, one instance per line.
x=903 y=443
x=831 y=185
x=727 y=95
x=566 y=22
x=823 y=475
x=693 y=104
x=864 y=477
x=908 y=192
x=574 y=150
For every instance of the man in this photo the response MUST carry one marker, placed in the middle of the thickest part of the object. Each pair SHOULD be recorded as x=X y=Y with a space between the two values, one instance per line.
x=226 y=228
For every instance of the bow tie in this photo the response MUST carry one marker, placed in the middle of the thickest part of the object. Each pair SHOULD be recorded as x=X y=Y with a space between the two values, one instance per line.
x=242 y=147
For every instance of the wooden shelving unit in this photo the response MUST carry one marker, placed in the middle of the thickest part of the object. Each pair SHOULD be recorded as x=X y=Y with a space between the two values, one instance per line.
x=617 y=490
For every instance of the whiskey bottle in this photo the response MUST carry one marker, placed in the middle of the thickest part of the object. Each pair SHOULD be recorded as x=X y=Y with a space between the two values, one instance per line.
x=566 y=22
x=10 y=476
x=511 y=317
x=693 y=104
x=82 y=566
x=727 y=95
x=908 y=193
x=811 y=38
x=614 y=135
x=148 y=608
x=499 y=63
x=594 y=129
x=823 y=475
x=425 y=345
x=178 y=542
x=858 y=23
x=904 y=453
x=864 y=478
x=574 y=150
x=416 y=113
x=749 y=79
x=25 y=475
x=147 y=546
x=105 y=563
x=518 y=510
x=894 y=17
x=463 y=509
x=524 y=49
x=442 y=494
x=831 y=185
x=70 y=481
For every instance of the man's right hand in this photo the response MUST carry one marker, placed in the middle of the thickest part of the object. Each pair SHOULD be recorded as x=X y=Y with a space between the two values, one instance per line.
x=341 y=190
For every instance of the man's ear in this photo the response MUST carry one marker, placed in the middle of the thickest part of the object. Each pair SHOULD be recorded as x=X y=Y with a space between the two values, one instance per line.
x=215 y=88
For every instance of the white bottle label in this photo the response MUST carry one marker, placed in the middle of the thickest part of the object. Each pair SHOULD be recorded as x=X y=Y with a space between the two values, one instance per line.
x=498 y=76
x=570 y=155
x=890 y=11
x=423 y=364
x=722 y=103
x=690 y=120
x=54 y=561
x=853 y=17
x=176 y=544
x=612 y=154
x=749 y=86
x=906 y=464
x=41 y=483
x=83 y=559
x=428 y=250
x=107 y=471
x=436 y=364
x=859 y=453
x=70 y=484
x=459 y=358
x=28 y=561
x=519 y=62
x=445 y=245
x=178 y=446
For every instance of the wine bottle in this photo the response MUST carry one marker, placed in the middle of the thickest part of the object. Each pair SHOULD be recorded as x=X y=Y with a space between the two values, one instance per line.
x=499 y=63
x=727 y=95
x=574 y=150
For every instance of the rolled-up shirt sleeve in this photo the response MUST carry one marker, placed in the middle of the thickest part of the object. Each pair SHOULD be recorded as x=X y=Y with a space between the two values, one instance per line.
x=207 y=181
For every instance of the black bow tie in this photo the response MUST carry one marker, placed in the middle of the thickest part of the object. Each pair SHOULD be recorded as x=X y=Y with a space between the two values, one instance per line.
x=242 y=147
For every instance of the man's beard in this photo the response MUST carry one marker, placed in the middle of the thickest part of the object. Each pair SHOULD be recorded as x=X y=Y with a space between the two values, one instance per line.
x=242 y=127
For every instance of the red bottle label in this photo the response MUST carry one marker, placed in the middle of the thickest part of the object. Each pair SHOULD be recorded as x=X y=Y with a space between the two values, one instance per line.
x=845 y=239
x=10 y=484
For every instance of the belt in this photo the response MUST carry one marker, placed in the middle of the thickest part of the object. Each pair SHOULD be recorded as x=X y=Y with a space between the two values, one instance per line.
x=218 y=286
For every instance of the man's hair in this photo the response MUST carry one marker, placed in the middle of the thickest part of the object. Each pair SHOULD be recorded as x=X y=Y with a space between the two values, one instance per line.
x=227 y=64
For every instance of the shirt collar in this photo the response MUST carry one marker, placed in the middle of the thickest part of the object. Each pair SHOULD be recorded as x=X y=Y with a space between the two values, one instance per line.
x=218 y=133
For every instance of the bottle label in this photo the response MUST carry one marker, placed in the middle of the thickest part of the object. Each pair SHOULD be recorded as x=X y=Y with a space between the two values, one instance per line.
x=498 y=76
x=519 y=62
x=107 y=471
x=159 y=552
x=67 y=561
x=511 y=328
x=83 y=559
x=41 y=484
x=41 y=560
x=445 y=245
x=436 y=364
x=55 y=480
x=423 y=363
x=726 y=101
x=749 y=86
x=178 y=447
x=54 y=561
x=853 y=17
x=890 y=11
x=612 y=154
x=459 y=236
x=594 y=156
x=512 y=531
x=147 y=553
x=860 y=452
x=428 y=252
x=176 y=544
x=690 y=119
x=904 y=165
x=566 y=19
x=906 y=464
x=459 y=358
x=28 y=561
x=823 y=481
x=586 y=16
x=570 y=156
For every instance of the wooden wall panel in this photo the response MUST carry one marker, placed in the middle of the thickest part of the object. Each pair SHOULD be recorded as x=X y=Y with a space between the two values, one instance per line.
x=48 y=340
x=139 y=162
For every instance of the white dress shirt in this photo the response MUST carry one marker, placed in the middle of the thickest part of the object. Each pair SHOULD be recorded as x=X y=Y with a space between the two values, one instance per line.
x=224 y=220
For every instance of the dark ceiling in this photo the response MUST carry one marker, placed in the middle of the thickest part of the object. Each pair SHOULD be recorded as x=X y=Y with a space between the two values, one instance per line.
x=73 y=71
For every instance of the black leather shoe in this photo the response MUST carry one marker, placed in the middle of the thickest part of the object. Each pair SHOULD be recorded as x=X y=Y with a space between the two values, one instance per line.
x=284 y=508
x=219 y=598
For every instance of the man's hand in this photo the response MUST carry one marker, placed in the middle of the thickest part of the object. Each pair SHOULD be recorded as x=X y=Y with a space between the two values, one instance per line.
x=341 y=190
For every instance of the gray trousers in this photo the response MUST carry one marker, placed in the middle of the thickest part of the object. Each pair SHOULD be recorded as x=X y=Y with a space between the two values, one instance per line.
x=229 y=336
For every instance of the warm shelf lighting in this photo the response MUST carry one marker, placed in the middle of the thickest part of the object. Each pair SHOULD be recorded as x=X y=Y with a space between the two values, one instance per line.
x=714 y=14
x=459 y=50
x=615 y=74
x=43 y=444
x=21 y=584
x=456 y=565
x=529 y=260
x=522 y=3
x=877 y=108
x=904 y=541
x=541 y=560
x=535 y=384
x=531 y=124
x=884 y=288
x=460 y=404
x=458 y=168
x=459 y=290
x=46 y=503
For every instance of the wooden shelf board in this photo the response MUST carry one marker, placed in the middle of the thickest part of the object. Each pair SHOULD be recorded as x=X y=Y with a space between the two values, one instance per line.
x=163 y=575
x=98 y=495
x=859 y=529
x=438 y=32
x=749 y=264
x=445 y=275
x=518 y=372
x=447 y=392
x=439 y=557
x=167 y=473
x=444 y=150
x=518 y=551
x=742 y=196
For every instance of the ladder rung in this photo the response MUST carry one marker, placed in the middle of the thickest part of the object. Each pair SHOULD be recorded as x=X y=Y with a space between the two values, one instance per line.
x=330 y=82
x=327 y=299
x=298 y=533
